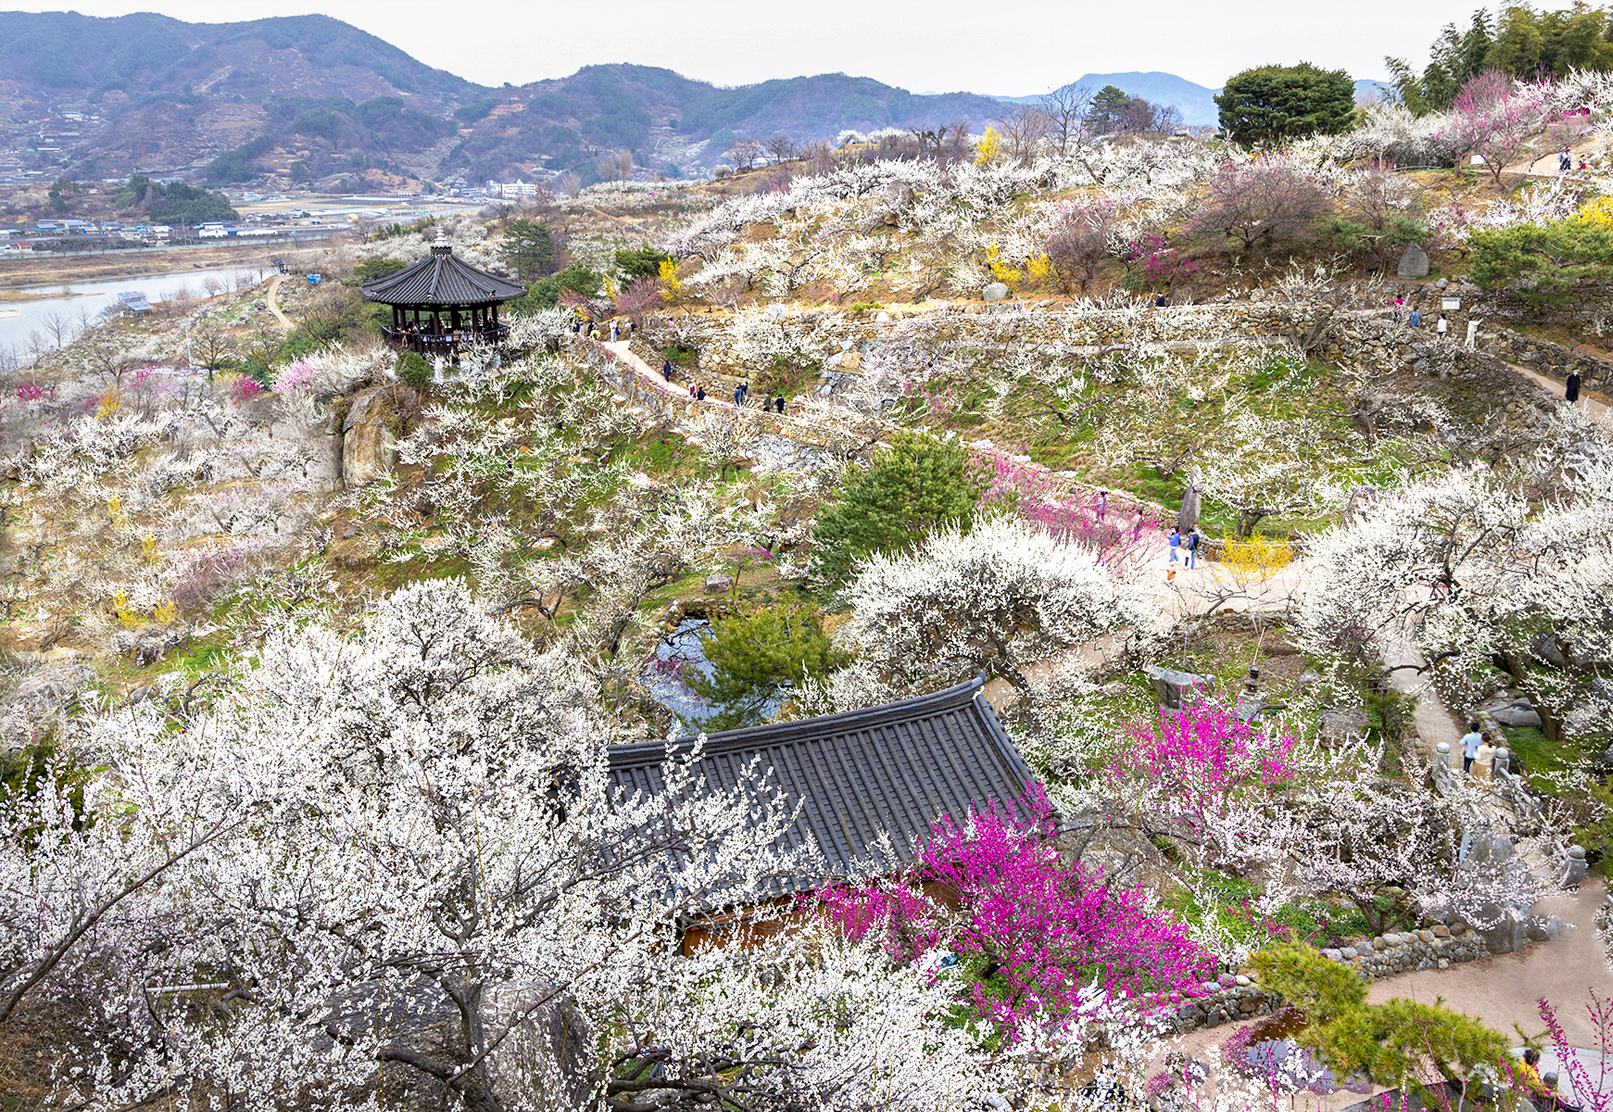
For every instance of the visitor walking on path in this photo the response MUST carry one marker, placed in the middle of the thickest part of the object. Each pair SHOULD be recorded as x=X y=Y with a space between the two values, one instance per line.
x=1416 y=319
x=1193 y=539
x=1176 y=542
x=1444 y=326
x=615 y=332
x=739 y=396
x=781 y=405
x=1103 y=503
x=1484 y=760
x=1573 y=388
x=666 y=369
x=699 y=393
x=692 y=387
x=1470 y=745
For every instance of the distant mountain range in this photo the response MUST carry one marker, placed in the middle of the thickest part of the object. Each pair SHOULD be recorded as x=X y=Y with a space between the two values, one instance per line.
x=313 y=100
x=1196 y=102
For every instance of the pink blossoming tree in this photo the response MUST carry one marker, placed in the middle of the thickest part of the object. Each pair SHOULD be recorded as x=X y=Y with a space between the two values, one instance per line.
x=1040 y=939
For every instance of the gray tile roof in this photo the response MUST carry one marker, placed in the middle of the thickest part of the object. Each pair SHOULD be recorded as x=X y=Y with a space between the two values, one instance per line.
x=891 y=769
x=441 y=279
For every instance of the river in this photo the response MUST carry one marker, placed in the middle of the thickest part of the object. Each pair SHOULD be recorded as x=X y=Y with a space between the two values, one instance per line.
x=95 y=296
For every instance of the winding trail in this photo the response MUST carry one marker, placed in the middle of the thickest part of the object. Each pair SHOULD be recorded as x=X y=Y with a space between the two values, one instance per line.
x=275 y=282
x=1586 y=402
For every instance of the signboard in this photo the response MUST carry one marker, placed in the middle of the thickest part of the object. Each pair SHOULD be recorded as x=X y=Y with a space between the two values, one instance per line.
x=1450 y=303
x=315 y=279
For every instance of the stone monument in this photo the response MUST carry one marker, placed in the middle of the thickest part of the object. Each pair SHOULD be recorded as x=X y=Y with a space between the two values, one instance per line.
x=1413 y=262
x=1188 y=519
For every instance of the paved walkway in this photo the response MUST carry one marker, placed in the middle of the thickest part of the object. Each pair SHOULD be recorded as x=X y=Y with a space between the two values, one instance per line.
x=1500 y=991
x=275 y=282
x=1503 y=990
x=1588 y=404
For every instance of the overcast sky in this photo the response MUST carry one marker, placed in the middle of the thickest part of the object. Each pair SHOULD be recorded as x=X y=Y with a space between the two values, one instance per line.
x=1001 y=47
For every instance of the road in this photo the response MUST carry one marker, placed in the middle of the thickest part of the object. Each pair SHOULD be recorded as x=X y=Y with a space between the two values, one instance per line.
x=275 y=282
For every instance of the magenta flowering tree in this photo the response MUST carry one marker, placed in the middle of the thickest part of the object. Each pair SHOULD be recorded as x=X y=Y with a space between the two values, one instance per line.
x=1207 y=780
x=1593 y=1093
x=1198 y=759
x=1495 y=117
x=637 y=299
x=1037 y=937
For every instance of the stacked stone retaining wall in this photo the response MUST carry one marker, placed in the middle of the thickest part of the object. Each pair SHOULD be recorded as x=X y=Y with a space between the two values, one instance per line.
x=1549 y=358
x=835 y=346
x=1232 y=998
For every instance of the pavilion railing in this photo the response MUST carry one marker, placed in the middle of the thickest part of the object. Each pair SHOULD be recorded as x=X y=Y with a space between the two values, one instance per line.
x=448 y=342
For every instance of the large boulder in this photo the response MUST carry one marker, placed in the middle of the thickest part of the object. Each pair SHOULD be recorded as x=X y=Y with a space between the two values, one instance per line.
x=376 y=419
x=148 y=642
x=1173 y=688
x=996 y=291
x=1413 y=263
x=40 y=699
x=1508 y=932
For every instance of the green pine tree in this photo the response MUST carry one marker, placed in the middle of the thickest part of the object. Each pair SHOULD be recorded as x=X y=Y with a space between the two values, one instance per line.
x=756 y=656
x=528 y=248
x=1268 y=105
x=908 y=491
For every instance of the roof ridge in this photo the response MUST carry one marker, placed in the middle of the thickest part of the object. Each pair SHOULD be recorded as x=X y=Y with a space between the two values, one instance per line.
x=777 y=733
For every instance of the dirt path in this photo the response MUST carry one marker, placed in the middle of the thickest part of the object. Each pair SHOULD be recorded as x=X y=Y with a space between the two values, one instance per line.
x=1434 y=721
x=1587 y=403
x=275 y=282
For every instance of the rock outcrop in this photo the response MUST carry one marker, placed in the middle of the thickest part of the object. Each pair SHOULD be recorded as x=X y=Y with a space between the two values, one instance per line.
x=377 y=418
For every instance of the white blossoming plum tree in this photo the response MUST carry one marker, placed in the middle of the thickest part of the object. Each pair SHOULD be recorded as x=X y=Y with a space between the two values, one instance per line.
x=1496 y=591
x=397 y=860
x=997 y=597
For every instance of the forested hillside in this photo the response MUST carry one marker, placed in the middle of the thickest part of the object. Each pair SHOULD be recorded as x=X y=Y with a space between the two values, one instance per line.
x=309 y=99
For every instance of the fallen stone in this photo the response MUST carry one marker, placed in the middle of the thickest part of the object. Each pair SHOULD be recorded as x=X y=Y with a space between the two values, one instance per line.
x=996 y=291
x=1172 y=687
x=1517 y=716
x=719 y=584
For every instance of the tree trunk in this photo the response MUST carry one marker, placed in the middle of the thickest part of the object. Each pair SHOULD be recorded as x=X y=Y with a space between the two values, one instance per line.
x=1548 y=721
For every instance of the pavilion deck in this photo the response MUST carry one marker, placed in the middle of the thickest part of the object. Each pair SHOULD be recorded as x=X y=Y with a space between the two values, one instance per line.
x=448 y=342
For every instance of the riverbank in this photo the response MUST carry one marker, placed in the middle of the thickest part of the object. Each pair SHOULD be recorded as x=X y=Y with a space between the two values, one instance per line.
x=34 y=295
x=24 y=271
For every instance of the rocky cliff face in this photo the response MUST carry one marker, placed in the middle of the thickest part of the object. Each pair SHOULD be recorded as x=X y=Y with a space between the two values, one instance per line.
x=377 y=418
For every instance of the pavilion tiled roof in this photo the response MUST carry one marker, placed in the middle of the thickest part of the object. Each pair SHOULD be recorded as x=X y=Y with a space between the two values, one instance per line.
x=887 y=770
x=441 y=279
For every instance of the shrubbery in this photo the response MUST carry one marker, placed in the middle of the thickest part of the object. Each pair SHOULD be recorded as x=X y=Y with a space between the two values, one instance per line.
x=413 y=370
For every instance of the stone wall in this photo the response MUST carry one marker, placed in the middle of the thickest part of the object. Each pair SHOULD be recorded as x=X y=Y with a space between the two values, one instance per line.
x=837 y=346
x=1232 y=998
x=756 y=434
x=1411 y=952
x=1225 y=1001
x=730 y=347
x=1548 y=358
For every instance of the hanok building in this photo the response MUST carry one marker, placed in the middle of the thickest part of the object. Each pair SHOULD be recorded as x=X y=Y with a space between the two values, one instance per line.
x=865 y=780
x=442 y=303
